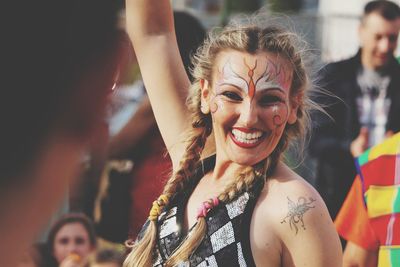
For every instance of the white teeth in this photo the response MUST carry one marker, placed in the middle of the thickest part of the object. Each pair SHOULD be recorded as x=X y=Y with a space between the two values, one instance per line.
x=248 y=138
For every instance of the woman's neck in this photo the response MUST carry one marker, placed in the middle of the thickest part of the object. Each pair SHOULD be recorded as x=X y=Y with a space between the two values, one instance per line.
x=226 y=169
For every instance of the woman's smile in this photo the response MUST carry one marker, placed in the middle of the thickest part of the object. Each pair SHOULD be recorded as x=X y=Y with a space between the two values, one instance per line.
x=246 y=138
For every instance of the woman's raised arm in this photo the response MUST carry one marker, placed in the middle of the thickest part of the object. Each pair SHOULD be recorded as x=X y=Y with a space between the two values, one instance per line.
x=151 y=30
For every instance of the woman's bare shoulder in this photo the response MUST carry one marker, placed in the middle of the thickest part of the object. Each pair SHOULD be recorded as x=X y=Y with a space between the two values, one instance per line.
x=290 y=204
x=287 y=186
x=294 y=212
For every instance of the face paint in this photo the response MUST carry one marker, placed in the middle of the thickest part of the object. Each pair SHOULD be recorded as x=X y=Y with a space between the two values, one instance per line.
x=249 y=101
x=251 y=84
x=275 y=77
x=226 y=76
x=215 y=103
x=280 y=115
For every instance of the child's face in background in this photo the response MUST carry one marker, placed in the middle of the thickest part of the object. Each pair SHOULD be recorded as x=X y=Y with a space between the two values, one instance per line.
x=72 y=240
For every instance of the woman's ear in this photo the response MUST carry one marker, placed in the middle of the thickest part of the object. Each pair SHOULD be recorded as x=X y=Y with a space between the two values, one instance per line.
x=294 y=106
x=205 y=92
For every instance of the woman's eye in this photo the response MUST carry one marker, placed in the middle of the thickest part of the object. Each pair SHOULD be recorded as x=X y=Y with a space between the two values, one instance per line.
x=63 y=241
x=79 y=241
x=232 y=96
x=269 y=100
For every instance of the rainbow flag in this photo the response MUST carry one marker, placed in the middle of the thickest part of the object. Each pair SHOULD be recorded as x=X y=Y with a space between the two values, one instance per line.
x=389 y=256
x=379 y=170
x=386 y=148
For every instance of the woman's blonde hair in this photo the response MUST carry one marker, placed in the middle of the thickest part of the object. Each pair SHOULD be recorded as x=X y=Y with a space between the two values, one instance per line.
x=249 y=39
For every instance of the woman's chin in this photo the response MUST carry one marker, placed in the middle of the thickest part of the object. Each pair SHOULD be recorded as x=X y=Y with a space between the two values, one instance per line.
x=246 y=159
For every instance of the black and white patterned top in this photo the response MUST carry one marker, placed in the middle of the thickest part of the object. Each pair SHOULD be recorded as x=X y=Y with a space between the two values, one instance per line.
x=227 y=241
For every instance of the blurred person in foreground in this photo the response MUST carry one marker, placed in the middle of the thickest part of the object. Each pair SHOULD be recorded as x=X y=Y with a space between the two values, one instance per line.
x=59 y=63
x=368 y=105
x=370 y=216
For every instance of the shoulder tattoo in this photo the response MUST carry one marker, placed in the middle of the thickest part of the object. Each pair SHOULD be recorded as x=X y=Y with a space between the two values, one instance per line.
x=296 y=211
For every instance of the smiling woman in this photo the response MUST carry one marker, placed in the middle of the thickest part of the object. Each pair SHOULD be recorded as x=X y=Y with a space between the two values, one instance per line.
x=242 y=206
x=251 y=104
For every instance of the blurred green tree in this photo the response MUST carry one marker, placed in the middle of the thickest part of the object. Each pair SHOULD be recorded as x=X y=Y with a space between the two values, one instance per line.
x=285 y=5
x=231 y=7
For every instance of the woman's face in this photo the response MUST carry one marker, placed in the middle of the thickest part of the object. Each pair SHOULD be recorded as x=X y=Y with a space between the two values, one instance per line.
x=72 y=240
x=249 y=104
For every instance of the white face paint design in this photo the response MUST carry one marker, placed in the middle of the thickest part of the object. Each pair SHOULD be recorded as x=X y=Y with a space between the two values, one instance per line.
x=228 y=76
x=275 y=77
x=249 y=104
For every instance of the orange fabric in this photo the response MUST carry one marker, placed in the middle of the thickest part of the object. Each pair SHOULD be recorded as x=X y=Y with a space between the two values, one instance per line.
x=352 y=222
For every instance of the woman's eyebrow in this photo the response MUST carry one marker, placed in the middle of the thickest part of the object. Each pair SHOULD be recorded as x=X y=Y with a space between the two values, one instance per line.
x=233 y=85
x=262 y=90
x=263 y=84
x=233 y=80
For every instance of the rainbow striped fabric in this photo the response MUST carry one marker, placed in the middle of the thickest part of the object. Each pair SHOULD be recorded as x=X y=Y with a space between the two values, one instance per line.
x=379 y=170
x=389 y=256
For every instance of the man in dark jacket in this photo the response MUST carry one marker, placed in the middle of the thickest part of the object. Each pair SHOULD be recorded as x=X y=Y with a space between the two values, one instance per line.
x=364 y=107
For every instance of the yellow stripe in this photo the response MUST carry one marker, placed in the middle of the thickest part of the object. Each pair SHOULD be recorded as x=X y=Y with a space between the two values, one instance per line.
x=386 y=254
x=384 y=258
x=389 y=147
x=380 y=200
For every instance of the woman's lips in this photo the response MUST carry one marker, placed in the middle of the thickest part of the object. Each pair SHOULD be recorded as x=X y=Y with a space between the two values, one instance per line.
x=246 y=138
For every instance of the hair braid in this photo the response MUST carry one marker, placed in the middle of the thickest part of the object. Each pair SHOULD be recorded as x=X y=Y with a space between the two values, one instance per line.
x=201 y=129
x=242 y=182
x=142 y=251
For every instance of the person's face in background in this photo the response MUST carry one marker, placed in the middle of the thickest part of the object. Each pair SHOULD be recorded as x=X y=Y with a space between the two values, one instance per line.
x=72 y=239
x=378 y=38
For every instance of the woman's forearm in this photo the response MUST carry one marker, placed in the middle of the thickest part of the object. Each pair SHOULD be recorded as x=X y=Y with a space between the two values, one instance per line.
x=151 y=29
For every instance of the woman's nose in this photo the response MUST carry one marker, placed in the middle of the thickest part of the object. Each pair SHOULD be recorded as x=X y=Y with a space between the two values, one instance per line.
x=72 y=248
x=248 y=114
